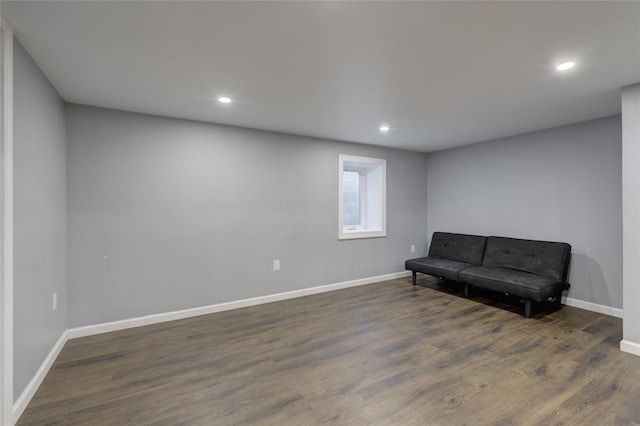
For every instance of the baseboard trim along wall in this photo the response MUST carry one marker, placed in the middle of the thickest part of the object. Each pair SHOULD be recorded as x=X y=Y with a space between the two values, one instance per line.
x=25 y=397
x=593 y=307
x=107 y=327
x=630 y=347
x=90 y=330
x=220 y=307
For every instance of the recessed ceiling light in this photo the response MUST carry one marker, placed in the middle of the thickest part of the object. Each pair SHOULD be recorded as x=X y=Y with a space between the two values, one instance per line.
x=565 y=66
x=384 y=129
x=224 y=100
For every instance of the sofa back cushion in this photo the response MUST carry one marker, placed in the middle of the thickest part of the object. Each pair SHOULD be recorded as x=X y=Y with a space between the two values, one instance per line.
x=459 y=247
x=537 y=257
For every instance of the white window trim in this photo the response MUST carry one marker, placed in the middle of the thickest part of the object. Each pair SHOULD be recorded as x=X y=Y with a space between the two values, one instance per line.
x=362 y=233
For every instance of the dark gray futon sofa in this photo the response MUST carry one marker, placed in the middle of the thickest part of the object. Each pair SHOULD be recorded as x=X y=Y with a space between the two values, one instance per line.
x=532 y=270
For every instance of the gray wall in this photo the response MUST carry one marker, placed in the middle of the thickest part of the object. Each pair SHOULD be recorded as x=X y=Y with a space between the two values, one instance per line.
x=167 y=214
x=40 y=218
x=631 y=210
x=560 y=184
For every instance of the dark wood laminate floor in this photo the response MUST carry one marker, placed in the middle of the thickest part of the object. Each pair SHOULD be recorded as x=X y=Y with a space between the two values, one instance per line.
x=381 y=354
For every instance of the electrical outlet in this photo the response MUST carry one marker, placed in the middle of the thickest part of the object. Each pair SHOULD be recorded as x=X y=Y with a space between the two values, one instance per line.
x=54 y=303
x=276 y=265
x=413 y=248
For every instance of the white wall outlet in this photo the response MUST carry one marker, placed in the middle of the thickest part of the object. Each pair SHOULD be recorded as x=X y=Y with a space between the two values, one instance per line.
x=54 y=302
x=413 y=248
x=276 y=265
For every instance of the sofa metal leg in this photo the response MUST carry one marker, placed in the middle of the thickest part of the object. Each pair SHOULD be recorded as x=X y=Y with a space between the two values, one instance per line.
x=527 y=308
x=558 y=300
x=466 y=290
x=413 y=278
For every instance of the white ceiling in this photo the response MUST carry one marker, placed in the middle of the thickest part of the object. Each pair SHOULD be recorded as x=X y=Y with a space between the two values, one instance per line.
x=441 y=74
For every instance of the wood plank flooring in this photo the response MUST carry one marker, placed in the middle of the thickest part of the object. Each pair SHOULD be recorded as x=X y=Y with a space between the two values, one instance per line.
x=380 y=354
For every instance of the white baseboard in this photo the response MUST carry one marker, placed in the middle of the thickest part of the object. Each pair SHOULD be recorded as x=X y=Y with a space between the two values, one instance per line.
x=593 y=307
x=630 y=347
x=26 y=395
x=107 y=327
x=210 y=309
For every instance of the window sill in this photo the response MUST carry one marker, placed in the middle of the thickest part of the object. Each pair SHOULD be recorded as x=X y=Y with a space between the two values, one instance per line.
x=363 y=233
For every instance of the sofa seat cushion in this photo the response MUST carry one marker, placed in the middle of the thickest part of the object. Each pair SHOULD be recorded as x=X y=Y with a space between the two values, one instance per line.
x=517 y=283
x=444 y=268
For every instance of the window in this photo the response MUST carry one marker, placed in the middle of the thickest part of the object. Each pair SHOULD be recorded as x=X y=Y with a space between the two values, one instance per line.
x=362 y=197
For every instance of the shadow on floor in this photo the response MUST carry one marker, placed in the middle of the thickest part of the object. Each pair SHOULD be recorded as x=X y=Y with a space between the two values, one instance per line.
x=487 y=297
